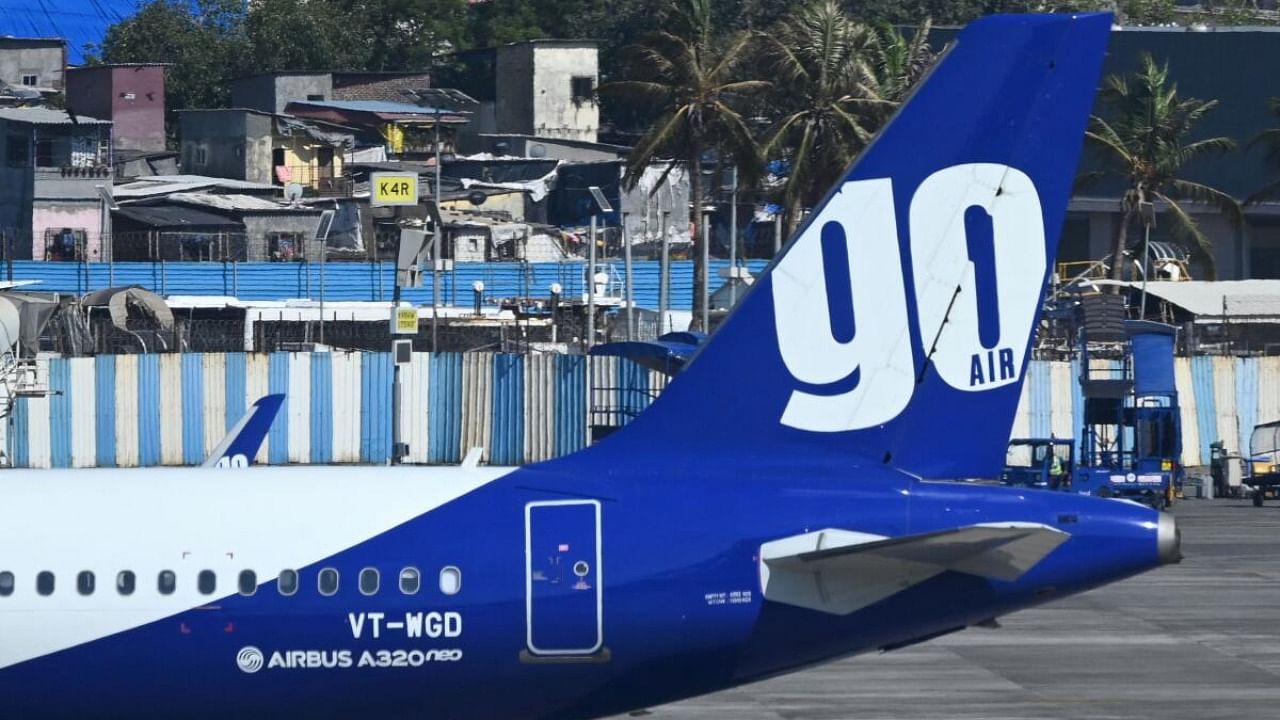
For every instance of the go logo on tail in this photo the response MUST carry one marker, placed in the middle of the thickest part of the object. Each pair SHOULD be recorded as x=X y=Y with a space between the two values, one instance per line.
x=866 y=377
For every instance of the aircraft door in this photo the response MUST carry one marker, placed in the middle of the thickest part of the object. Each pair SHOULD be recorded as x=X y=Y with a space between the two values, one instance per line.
x=563 y=579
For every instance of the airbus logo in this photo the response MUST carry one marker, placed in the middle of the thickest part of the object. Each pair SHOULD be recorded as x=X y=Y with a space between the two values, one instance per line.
x=850 y=345
x=250 y=659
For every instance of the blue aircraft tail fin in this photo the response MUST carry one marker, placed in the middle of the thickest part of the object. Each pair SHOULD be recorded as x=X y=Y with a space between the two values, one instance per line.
x=896 y=326
x=242 y=441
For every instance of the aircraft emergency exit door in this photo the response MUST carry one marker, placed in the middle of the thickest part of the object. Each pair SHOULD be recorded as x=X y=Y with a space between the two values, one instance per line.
x=563 y=591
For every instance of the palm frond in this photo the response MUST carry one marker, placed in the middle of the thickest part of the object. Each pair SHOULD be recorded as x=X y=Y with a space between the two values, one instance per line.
x=1226 y=205
x=1188 y=232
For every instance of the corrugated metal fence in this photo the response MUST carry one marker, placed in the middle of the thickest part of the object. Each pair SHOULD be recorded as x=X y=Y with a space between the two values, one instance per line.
x=130 y=410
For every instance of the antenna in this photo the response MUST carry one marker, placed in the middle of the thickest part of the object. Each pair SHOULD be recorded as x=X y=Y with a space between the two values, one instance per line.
x=293 y=193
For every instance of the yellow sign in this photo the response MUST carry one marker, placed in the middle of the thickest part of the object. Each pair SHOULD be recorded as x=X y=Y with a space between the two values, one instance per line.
x=404 y=321
x=393 y=189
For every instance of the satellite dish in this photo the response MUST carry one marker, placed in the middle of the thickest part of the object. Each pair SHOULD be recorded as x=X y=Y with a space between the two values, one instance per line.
x=475 y=197
x=9 y=323
x=537 y=150
x=293 y=193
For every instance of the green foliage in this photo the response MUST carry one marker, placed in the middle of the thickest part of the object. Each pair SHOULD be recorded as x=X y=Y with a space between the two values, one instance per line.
x=836 y=82
x=1146 y=141
x=1146 y=12
x=1269 y=139
x=274 y=28
x=689 y=75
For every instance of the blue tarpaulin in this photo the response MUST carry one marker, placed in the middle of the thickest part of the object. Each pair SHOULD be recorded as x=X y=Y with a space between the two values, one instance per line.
x=79 y=22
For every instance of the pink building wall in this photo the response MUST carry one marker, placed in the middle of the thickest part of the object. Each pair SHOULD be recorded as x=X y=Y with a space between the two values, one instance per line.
x=86 y=218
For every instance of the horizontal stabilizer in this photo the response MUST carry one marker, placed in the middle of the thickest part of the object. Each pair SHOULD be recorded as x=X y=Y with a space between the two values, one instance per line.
x=839 y=572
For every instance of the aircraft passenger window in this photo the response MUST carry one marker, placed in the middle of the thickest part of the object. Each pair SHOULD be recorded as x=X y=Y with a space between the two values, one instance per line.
x=85 y=582
x=6 y=583
x=288 y=582
x=166 y=582
x=206 y=582
x=328 y=581
x=44 y=582
x=248 y=582
x=369 y=581
x=450 y=580
x=410 y=581
x=125 y=582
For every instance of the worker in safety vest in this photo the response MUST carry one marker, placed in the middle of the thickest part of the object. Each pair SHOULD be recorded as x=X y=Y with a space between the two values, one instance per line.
x=1055 y=471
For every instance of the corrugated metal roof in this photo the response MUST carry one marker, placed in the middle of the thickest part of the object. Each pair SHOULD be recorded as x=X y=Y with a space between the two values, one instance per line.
x=1215 y=299
x=236 y=203
x=155 y=185
x=375 y=106
x=169 y=216
x=47 y=116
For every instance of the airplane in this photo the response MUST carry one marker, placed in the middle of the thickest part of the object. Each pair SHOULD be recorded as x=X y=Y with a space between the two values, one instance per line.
x=241 y=444
x=790 y=498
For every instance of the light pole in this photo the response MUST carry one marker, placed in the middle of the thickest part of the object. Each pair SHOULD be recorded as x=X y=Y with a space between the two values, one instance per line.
x=602 y=206
x=733 y=236
x=1147 y=211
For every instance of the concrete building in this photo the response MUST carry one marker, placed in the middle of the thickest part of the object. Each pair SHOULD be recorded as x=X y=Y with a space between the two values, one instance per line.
x=262 y=147
x=539 y=88
x=50 y=168
x=131 y=96
x=252 y=228
x=33 y=63
x=272 y=92
x=547 y=88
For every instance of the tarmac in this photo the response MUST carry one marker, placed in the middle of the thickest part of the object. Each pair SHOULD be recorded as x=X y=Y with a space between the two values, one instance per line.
x=1196 y=641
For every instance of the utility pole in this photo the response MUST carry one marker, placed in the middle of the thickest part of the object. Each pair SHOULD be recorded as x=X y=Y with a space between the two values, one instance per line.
x=664 y=276
x=602 y=206
x=733 y=236
x=626 y=259
x=435 y=250
x=705 y=300
x=591 y=288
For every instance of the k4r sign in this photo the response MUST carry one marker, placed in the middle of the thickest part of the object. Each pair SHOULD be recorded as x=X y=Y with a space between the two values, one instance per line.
x=393 y=189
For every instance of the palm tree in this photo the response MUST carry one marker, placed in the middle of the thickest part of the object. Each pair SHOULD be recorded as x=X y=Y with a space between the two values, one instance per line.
x=688 y=77
x=1145 y=143
x=838 y=81
x=1270 y=139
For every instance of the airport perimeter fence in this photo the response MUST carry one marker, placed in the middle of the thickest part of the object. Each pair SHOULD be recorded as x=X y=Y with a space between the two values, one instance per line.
x=172 y=409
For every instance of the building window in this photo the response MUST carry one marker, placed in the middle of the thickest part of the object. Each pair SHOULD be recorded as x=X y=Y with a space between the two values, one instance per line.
x=327 y=581
x=248 y=582
x=30 y=80
x=85 y=582
x=64 y=243
x=315 y=97
x=450 y=580
x=369 y=581
x=17 y=151
x=125 y=582
x=284 y=246
x=44 y=154
x=288 y=582
x=6 y=583
x=44 y=582
x=410 y=581
x=166 y=582
x=583 y=88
